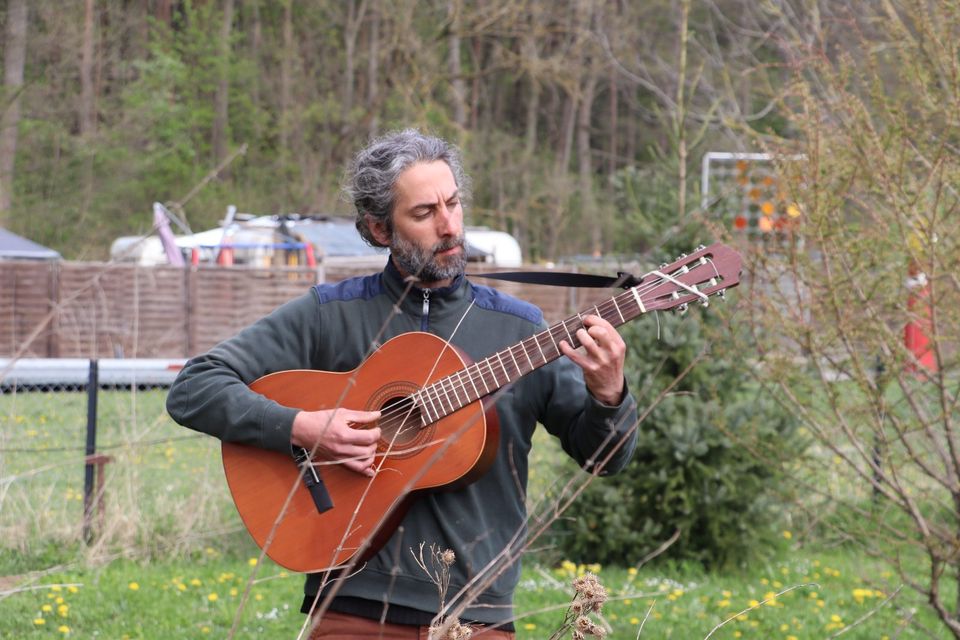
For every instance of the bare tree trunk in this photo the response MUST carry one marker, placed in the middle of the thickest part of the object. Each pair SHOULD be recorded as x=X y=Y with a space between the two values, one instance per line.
x=457 y=84
x=355 y=16
x=286 y=62
x=585 y=165
x=14 y=53
x=373 y=71
x=88 y=123
x=681 y=116
x=256 y=43
x=163 y=11
x=222 y=98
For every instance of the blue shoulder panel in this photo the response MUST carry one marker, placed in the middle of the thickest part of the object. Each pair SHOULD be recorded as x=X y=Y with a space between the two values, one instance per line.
x=363 y=287
x=494 y=300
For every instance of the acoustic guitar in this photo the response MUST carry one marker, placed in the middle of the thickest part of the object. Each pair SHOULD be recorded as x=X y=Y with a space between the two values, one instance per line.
x=437 y=431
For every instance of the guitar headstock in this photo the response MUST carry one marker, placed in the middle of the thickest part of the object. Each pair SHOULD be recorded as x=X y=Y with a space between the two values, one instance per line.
x=694 y=277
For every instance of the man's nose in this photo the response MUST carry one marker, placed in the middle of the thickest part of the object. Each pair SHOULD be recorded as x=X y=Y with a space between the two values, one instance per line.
x=449 y=220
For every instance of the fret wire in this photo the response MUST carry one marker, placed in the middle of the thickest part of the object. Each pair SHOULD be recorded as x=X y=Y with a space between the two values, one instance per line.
x=486 y=389
x=423 y=403
x=505 y=372
x=466 y=394
x=529 y=361
x=549 y=332
x=569 y=337
x=447 y=394
x=619 y=313
x=536 y=340
x=483 y=381
x=515 y=365
x=492 y=373
x=434 y=392
x=471 y=368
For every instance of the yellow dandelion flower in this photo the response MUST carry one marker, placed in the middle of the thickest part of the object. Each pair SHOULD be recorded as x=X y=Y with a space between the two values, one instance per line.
x=204 y=629
x=784 y=627
x=634 y=620
x=58 y=600
x=195 y=583
x=726 y=594
x=56 y=587
x=47 y=608
x=63 y=629
x=754 y=603
x=787 y=535
x=133 y=586
x=72 y=589
x=632 y=571
x=252 y=562
x=63 y=610
x=529 y=626
x=39 y=621
x=258 y=596
x=213 y=597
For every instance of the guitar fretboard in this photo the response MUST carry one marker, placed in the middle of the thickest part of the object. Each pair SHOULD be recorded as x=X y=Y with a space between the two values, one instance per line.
x=482 y=378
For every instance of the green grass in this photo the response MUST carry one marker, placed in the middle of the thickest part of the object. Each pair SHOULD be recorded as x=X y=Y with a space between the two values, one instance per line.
x=199 y=597
x=172 y=561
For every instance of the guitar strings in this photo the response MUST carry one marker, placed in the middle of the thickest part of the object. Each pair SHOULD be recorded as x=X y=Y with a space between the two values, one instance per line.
x=407 y=407
x=397 y=417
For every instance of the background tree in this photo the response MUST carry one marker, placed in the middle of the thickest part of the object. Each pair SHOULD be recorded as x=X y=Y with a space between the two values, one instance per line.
x=13 y=60
x=872 y=108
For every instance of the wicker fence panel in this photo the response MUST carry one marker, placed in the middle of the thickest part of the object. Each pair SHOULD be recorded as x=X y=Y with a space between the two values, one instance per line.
x=121 y=310
x=28 y=293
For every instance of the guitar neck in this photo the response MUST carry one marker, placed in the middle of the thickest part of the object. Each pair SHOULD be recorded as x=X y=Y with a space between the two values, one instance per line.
x=694 y=277
x=482 y=378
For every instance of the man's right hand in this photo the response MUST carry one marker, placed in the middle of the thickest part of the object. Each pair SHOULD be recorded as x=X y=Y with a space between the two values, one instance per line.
x=339 y=435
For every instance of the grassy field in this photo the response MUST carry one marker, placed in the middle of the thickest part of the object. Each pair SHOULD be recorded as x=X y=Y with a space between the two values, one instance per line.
x=171 y=560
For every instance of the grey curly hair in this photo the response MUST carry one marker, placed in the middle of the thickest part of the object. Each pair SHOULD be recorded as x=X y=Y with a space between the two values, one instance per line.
x=376 y=168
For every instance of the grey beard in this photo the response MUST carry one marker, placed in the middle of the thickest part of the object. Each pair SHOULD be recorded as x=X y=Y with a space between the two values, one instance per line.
x=424 y=264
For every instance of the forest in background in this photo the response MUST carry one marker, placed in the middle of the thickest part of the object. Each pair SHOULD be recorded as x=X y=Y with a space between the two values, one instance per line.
x=578 y=118
x=584 y=124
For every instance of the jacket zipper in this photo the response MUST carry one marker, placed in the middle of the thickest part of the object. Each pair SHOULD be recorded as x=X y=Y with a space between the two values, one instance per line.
x=425 y=316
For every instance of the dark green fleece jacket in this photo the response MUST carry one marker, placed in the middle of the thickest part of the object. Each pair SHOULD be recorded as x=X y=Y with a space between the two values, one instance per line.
x=331 y=328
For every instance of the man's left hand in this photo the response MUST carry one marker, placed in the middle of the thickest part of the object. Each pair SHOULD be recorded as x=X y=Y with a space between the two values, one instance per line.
x=601 y=357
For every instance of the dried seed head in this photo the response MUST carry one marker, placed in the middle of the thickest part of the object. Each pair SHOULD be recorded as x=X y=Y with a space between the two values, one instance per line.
x=448 y=557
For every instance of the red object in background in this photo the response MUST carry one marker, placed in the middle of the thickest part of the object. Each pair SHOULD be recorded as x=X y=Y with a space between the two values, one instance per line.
x=916 y=332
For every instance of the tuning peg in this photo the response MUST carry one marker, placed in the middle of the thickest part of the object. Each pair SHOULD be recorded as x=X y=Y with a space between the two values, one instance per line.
x=701 y=247
x=723 y=294
x=682 y=309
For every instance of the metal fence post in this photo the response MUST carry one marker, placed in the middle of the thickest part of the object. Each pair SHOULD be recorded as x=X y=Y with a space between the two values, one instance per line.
x=93 y=386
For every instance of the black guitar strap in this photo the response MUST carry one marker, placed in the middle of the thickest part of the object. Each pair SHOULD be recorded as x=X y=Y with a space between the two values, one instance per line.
x=561 y=279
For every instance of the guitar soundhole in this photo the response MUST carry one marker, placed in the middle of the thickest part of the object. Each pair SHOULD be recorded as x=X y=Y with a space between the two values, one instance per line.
x=402 y=432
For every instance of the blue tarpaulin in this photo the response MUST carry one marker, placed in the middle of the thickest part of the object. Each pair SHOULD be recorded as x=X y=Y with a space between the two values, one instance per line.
x=14 y=247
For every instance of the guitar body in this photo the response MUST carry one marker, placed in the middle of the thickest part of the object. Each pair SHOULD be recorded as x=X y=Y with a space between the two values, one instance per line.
x=450 y=452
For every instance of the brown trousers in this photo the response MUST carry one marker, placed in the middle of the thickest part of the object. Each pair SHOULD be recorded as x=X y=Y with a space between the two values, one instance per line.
x=340 y=626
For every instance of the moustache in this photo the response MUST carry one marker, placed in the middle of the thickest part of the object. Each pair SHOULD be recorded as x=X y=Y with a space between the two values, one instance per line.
x=445 y=245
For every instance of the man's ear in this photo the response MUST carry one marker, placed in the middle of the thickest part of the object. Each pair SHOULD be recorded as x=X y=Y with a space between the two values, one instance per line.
x=378 y=229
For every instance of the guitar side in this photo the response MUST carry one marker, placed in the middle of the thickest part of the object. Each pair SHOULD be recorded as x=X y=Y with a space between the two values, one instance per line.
x=450 y=452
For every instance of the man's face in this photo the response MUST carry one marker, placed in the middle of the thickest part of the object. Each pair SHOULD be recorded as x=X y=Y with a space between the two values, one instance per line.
x=427 y=239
